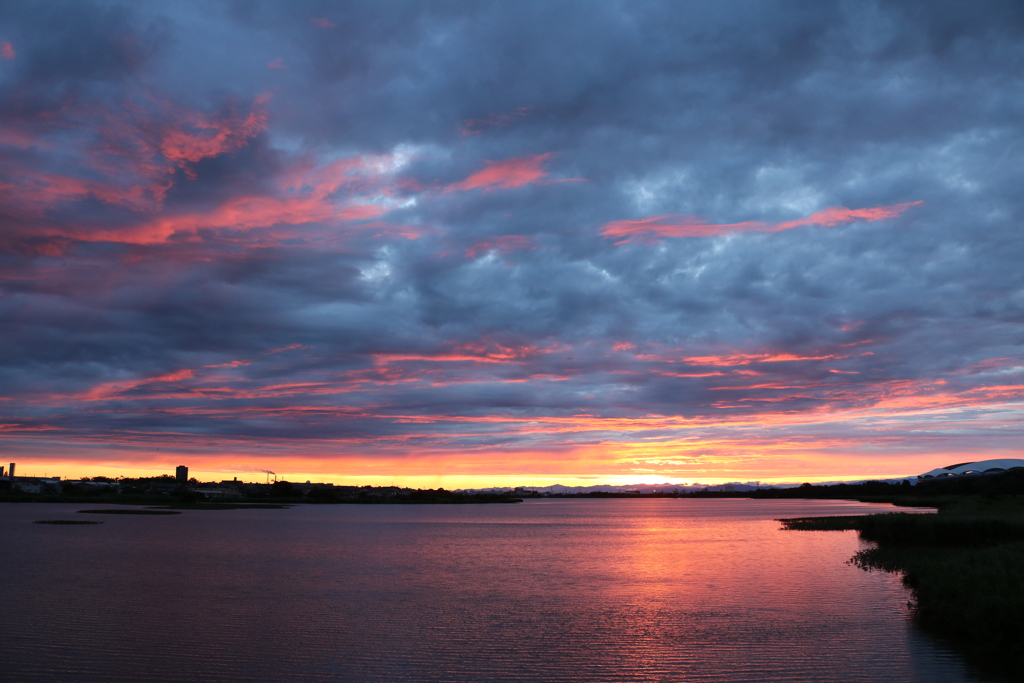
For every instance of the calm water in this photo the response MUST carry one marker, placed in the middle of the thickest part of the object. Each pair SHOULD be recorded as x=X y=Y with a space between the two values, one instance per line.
x=548 y=590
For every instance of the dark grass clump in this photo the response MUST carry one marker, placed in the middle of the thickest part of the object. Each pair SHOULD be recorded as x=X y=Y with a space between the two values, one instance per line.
x=845 y=523
x=972 y=597
x=966 y=574
x=903 y=529
x=65 y=521
x=124 y=511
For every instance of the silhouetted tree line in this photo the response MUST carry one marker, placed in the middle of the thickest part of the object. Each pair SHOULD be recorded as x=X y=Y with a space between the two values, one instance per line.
x=1003 y=484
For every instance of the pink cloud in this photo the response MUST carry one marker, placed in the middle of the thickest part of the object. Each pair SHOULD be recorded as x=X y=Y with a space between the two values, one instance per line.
x=12 y=137
x=32 y=193
x=125 y=156
x=676 y=225
x=835 y=215
x=107 y=390
x=672 y=225
x=7 y=51
x=243 y=213
x=321 y=22
x=477 y=126
x=276 y=64
x=436 y=358
x=196 y=137
x=748 y=358
x=132 y=153
x=473 y=352
x=504 y=245
x=384 y=229
x=345 y=190
x=290 y=347
x=230 y=364
x=506 y=174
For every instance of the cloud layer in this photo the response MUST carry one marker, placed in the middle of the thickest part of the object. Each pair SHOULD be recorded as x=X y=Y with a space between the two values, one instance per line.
x=548 y=240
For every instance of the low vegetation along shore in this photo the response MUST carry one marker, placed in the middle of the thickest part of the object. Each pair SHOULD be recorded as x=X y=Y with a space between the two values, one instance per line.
x=964 y=565
x=165 y=492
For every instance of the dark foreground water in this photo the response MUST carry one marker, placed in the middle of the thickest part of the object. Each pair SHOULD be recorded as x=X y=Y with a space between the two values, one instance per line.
x=547 y=590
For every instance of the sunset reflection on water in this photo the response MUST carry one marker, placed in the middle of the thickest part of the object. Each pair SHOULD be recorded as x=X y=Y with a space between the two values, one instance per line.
x=548 y=590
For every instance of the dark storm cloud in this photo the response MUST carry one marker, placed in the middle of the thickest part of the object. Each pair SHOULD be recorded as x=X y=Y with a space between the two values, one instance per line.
x=460 y=223
x=75 y=44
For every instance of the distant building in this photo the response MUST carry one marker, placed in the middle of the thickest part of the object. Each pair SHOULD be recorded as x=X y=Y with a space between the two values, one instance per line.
x=10 y=472
x=37 y=484
x=974 y=468
x=181 y=474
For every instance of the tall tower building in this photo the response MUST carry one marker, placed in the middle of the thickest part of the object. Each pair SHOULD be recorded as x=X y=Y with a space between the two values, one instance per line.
x=181 y=474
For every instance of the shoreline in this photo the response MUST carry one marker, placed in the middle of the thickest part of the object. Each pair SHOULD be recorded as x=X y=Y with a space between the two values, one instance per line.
x=964 y=567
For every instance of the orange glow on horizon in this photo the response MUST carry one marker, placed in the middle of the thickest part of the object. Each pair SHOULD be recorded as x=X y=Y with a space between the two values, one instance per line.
x=768 y=447
x=576 y=467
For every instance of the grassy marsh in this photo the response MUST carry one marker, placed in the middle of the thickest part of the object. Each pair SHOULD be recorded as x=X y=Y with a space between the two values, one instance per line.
x=964 y=567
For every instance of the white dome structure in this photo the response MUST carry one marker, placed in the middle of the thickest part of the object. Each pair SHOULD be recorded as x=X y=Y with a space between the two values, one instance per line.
x=974 y=468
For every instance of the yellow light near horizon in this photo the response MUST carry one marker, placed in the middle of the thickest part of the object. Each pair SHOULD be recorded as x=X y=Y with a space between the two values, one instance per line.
x=616 y=464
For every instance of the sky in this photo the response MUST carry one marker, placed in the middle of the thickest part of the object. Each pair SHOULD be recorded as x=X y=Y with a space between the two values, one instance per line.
x=489 y=243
